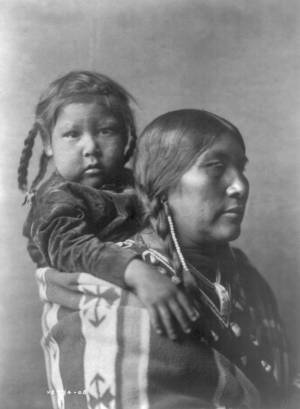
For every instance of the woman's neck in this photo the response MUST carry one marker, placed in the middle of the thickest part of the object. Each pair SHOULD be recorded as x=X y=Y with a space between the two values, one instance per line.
x=152 y=240
x=196 y=254
x=209 y=250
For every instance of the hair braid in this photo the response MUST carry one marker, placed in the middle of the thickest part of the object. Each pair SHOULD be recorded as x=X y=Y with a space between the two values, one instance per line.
x=42 y=170
x=25 y=158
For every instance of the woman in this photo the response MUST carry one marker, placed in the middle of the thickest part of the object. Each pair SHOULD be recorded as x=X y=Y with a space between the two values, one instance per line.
x=189 y=174
x=189 y=171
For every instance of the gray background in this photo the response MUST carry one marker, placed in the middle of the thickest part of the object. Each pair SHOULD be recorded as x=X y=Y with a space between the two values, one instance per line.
x=236 y=58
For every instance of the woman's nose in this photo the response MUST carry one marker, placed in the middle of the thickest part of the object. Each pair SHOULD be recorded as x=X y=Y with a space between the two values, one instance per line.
x=239 y=186
x=90 y=144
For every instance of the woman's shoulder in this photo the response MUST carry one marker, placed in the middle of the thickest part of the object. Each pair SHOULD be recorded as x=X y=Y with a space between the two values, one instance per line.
x=245 y=265
x=147 y=254
x=252 y=280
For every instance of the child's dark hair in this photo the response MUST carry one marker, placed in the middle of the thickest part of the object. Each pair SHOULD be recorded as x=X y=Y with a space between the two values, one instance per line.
x=166 y=149
x=74 y=87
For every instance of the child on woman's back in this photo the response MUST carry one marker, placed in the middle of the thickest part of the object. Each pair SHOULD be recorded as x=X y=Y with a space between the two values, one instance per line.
x=87 y=127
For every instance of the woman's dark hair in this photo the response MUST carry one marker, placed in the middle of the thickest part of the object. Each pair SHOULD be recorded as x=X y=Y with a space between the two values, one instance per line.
x=76 y=86
x=166 y=149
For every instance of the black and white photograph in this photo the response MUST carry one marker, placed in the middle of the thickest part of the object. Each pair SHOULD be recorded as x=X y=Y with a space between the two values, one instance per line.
x=150 y=216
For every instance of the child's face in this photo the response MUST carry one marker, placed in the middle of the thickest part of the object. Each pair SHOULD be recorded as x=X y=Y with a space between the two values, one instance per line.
x=88 y=143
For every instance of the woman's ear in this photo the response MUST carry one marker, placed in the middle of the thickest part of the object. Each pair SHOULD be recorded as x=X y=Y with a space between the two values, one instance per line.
x=127 y=148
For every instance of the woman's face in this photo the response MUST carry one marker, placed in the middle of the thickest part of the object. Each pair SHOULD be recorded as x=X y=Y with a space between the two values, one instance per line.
x=209 y=201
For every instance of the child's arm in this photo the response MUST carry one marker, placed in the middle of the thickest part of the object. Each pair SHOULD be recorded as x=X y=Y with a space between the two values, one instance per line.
x=64 y=229
x=169 y=307
x=67 y=244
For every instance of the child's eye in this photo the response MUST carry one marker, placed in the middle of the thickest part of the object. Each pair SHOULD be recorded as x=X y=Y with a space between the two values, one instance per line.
x=71 y=134
x=106 y=131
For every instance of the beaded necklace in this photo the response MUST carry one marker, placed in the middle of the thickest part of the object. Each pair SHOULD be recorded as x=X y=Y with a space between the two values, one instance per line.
x=224 y=296
x=223 y=312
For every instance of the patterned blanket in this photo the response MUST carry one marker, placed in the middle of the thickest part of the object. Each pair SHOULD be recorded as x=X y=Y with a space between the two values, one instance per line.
x=101 y=353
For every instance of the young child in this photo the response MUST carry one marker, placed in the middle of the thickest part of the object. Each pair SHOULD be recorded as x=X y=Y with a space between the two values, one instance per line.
x=87 y=127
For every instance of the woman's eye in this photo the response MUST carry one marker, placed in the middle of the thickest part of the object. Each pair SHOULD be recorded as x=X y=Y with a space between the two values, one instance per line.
x=215 y=168
x=242 y=168
x=215 y=165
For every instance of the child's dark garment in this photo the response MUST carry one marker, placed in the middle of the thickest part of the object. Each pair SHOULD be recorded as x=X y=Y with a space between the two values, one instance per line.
x=72 y=227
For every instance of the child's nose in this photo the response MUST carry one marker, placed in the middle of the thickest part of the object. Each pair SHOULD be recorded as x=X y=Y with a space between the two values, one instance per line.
x=90 y=144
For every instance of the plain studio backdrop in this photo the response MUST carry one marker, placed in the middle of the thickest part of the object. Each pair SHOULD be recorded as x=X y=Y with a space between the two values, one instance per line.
x=237 y=58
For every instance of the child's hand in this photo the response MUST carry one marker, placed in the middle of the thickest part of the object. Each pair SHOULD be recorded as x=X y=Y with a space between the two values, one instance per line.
x=167 y=304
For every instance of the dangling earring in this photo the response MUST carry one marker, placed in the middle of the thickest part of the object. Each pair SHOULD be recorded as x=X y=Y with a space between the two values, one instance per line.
x=176 y=279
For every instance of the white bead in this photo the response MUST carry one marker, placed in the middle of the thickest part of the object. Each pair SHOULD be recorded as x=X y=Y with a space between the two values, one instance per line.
x=162 y=270
x=244 y=360
x=152 y=259
x=214 y=335
x=238 y=306
x=176 y=280
x=235 y=328
x=266 y=366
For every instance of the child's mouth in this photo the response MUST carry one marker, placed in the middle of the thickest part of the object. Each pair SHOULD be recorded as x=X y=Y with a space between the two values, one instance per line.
x=93 y=170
